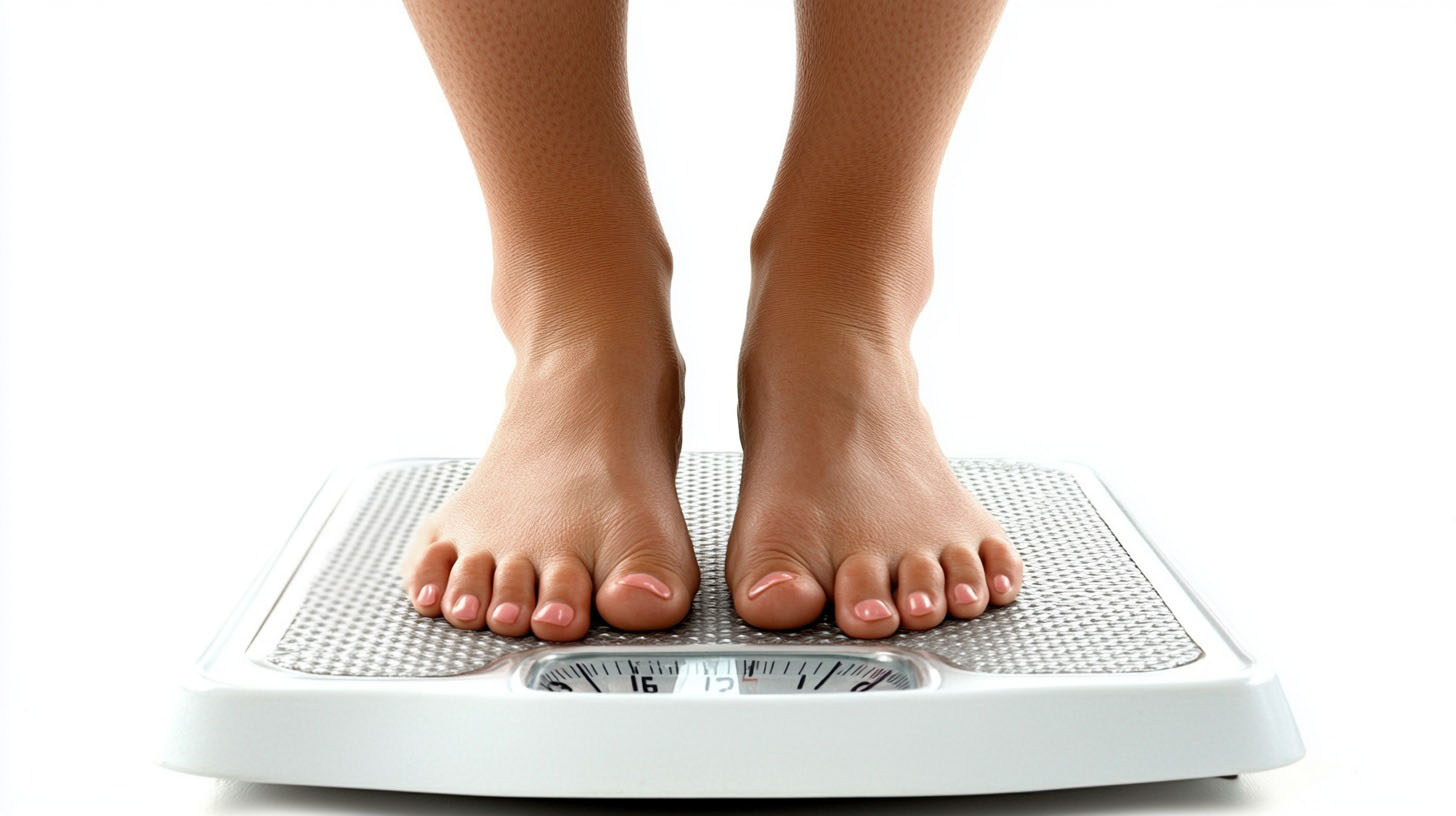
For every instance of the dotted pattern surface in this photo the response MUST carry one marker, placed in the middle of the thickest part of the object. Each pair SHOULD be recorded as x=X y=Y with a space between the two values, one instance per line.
x=1084 y=605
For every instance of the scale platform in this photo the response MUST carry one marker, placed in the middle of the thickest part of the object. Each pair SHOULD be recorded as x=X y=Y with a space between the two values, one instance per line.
x=1106 y=670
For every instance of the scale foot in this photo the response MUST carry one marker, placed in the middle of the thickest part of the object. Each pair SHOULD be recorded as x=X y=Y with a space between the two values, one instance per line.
x=1230 y=776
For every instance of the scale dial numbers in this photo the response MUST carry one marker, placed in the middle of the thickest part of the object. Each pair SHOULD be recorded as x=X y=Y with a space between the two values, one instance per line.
x=707 y=674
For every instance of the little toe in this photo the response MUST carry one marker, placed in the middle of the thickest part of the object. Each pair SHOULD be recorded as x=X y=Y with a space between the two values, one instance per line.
x=1003 y=569
x=965 y=581
x=563 y=611
x=919 y=592
x=778 y=592
x=425 y=579
x=514 y=598
x=862 y=604
x=467 y=595
x=642 y=594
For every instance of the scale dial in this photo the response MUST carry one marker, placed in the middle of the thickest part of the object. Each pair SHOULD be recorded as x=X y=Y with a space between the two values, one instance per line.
x=706 y=673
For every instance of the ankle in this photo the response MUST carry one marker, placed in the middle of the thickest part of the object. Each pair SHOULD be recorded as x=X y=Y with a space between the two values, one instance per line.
x=821 y=397
x=600 y=363
x=585 y=293
x=844 y=211
x=840 y=271
x=841 y=373
x=620 y=399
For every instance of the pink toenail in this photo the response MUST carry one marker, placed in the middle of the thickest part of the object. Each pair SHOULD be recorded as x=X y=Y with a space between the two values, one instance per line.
x=1001 y=584
x=466 y=607
x=964 y=594
x=872 y=610
x=507 y=613
x=554 y=612
x=772 y=579
x=920 y=603
x=428 y=594
x=648 y=583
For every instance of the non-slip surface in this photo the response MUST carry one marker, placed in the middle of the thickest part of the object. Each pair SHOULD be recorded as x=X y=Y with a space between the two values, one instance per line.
x=1084 y=604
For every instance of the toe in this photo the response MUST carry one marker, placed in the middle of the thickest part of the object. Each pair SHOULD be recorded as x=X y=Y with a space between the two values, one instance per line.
x=1003 y=569
x=425 y=578
x=919 y=592
x=643 y=593
x=862 y=604
x=563 y=611
x=965 y=581
x=777 y=591
x=513 y=599
x=467 y=594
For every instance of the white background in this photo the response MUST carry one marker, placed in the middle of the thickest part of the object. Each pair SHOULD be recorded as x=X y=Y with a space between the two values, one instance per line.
x=1204 y=247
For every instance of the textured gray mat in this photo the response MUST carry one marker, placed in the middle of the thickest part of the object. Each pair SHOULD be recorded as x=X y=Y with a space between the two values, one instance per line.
x=1084 y=604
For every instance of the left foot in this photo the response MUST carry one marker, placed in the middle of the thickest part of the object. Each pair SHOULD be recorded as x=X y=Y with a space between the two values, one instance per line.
x=846 y=494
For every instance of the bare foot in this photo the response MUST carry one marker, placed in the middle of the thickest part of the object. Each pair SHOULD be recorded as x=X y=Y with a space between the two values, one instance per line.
x=575 y=496
x=846 y=494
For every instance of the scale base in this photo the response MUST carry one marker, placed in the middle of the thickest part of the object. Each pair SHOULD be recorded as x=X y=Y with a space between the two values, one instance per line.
x=1107 y=670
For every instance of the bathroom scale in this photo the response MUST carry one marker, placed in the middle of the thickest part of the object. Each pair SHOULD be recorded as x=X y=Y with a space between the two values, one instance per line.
x=1106 y=670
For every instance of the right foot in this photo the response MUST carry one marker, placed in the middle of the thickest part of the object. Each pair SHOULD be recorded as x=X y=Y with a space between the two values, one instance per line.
x=575 y=499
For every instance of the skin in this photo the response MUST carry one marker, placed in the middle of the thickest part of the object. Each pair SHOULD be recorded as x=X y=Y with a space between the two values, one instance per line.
x=846 y=497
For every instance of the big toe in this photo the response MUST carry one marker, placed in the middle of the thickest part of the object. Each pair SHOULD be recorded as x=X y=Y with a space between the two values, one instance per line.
x=643 y=593
x=778 y=592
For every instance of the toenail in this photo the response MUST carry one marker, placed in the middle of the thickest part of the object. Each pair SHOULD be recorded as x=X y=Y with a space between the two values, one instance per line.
x=920 y=603
x=648 y=583
x=872 y=610
x=507 y=613
x=964 y=594
x=772 y=579
x=428 y=594
x=554 y=612
x=1001 y=584
x=466 y=607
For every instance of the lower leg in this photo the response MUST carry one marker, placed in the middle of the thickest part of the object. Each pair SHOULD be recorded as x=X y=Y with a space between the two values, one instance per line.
x=575 y=496
x=845 y=492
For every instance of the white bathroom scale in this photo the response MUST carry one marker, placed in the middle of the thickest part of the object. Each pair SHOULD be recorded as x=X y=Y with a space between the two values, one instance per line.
x=1106 y=670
